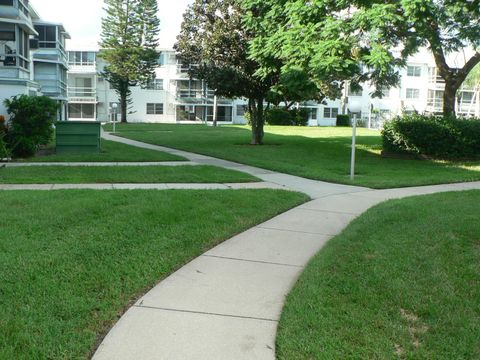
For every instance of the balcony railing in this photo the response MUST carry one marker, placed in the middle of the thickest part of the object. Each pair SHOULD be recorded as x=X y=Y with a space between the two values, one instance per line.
x=194 y=94
x=52 y=87
x=82 y=94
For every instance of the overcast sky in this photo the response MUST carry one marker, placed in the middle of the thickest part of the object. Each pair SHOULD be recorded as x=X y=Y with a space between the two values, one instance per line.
x=82 y=19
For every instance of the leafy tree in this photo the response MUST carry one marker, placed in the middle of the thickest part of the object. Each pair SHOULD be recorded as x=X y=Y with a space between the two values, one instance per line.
x=213 y=38
x=364 y=40
x=294 y=86
x=129 y=41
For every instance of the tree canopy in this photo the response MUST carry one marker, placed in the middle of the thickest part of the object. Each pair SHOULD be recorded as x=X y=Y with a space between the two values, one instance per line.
x=363 y=40
x=129 y=42
x=214 y=37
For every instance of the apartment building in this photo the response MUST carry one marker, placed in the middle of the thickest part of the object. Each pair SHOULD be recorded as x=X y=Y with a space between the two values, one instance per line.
x=32 y=55
x=175 y=98
x=16 y=66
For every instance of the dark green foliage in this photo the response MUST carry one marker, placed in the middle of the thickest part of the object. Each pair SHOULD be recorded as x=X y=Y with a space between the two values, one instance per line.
x=129 y=45
x=358 y=41
x=439 y=137
x=31 y=123
x=343 y=120
x=213 y=38
x=282 y=116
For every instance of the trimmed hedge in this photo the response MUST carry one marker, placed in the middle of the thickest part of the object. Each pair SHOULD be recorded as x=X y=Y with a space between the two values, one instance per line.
x=343 y=120
x=433 y=136
x=282 y=116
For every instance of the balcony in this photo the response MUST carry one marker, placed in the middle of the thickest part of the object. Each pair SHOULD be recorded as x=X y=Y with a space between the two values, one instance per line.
x=86 y=95
x=14 y=66
x=15 y=9
x=52 y=88
x=82 y=67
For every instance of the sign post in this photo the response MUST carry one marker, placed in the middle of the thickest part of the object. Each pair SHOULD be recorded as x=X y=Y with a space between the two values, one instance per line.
x=114 y=106
x=354 y=140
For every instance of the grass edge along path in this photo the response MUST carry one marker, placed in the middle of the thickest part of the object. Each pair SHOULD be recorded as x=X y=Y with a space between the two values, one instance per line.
x=319 y=153
x=401 y=281
x=68 y=269
x=111 y=151
x=121 y=174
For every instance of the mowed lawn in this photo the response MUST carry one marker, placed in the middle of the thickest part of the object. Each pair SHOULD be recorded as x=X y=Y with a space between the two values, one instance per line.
x=69 y=269
x=121 y=174
x=311 y=152
x=401 y=282
x=111 y=151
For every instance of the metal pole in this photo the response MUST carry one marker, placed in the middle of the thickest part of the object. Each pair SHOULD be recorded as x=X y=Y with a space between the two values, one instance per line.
x=354 y=136
x=114 y=119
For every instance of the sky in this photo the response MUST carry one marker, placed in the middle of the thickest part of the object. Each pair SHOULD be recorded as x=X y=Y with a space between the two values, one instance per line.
x=82 y=19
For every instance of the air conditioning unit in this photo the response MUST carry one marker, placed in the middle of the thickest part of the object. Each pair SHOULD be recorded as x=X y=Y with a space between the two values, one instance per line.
x=34 y=44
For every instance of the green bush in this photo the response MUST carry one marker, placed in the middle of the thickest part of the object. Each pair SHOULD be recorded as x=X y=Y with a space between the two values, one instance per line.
x=343 y=120
x=290 y=117
x=433 y=136
x=31 y=123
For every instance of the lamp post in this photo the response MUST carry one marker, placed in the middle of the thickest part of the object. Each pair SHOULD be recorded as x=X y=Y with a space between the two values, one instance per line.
x=114 y=107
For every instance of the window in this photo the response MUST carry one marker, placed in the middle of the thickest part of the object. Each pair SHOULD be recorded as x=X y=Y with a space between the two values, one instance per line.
x=47 y=36
x=156 y=84
x=6 y=2
x=154 y=109
x=465 y=96
x=241 y=110
x=313 y=114
x=330 y=113
x=7 y=32
x=161 y=59
x=413 y=93
x=414 y=70
x=81 y=111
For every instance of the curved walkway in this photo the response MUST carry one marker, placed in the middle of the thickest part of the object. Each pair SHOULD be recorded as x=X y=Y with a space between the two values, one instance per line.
x=226 y=303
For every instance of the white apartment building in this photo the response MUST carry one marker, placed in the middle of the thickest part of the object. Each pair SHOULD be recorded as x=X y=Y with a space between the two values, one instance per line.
x=175 y=98
x=32 y=55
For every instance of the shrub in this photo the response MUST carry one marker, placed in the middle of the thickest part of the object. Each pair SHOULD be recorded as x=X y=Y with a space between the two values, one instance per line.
x=31 y=123
x=282 y=116
x=433 y=136
x=343 y=120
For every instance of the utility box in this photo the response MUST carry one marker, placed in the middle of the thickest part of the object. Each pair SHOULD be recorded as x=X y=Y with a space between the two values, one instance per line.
x=77 y=137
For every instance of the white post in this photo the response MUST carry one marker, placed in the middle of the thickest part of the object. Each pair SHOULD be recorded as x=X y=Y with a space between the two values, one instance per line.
x=354 y=136
x=114 y=106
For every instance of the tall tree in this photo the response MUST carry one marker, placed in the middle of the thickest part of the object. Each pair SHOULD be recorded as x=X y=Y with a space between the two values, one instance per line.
x=213 y=38
x=129 y=42
x=365 y=39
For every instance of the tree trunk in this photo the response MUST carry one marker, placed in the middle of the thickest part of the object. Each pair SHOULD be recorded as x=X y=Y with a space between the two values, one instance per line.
x=449 y=98
x=255 y=108
x=123 y=106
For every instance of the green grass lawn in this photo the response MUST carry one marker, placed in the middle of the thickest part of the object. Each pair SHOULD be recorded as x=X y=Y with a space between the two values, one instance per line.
x=68 y=269
x=121 y=174
x=401 y=282
x=111 y=152
x=315 y=153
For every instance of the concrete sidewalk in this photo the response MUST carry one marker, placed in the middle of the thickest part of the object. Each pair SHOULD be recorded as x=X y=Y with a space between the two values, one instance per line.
x=226 y=303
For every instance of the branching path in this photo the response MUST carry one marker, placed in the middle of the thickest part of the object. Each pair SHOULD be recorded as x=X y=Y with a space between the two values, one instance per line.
x=226 y=304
